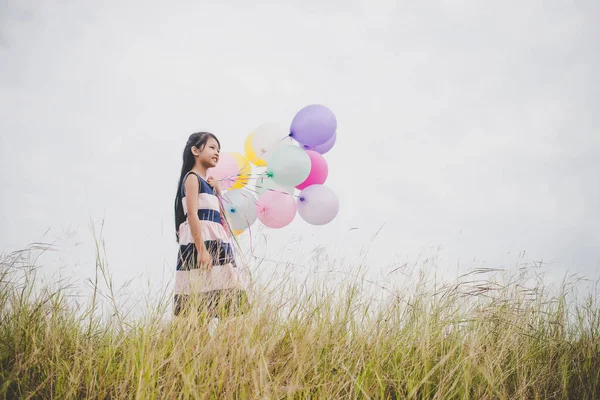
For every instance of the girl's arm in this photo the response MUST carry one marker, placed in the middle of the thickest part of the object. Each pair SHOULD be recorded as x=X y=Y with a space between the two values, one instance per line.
x=217 y=187
x=192 y=186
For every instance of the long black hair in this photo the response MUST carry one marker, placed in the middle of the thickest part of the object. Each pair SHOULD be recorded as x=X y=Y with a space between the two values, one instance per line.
x=197 y=140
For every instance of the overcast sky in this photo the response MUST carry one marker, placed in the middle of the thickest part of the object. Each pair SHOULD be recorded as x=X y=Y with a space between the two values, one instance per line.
x=466 y=127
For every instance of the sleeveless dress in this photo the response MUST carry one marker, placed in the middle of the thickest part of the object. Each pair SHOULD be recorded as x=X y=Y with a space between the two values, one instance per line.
x=221 y=289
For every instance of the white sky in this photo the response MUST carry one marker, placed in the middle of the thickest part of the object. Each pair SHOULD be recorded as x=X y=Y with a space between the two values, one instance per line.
x=468 y=125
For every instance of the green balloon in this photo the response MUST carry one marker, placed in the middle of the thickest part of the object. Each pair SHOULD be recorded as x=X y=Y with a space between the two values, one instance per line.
x=288 y=165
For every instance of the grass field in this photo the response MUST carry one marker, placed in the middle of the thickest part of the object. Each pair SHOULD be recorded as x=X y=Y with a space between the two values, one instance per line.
x=486 y=336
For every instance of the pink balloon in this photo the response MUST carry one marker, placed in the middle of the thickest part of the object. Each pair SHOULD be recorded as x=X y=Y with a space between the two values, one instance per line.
x=226 y=171
x=276 y=209
x=318 y=170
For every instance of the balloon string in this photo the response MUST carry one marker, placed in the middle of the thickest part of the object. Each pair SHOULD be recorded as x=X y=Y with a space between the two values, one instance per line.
x=250 y=237
x=251 y=199
x=245 y=176
x=266 y=188
x=271 y=148
x=249 y=230
x=239 y=247
x=221 y=199
x=239 y=172
x=269 y=189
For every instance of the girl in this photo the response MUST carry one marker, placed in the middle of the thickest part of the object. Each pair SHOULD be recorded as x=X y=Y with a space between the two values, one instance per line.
x=207 y=278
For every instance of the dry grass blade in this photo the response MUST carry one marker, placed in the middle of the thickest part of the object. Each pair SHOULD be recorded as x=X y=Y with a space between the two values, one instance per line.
x=477 y=338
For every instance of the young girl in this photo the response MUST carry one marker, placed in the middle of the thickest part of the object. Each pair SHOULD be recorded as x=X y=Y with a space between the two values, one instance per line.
x=207 y=280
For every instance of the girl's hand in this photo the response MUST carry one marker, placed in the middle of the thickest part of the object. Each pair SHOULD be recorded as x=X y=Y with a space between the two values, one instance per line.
x=214 y=184
x=204 y=259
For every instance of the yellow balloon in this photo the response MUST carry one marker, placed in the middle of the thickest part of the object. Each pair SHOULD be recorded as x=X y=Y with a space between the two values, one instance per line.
x=244 y=171
x=251 y=154
x=237 y=232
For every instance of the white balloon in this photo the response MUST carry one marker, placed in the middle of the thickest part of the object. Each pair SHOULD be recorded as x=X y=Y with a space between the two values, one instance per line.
x=269 y=137
x=240 y=208
x=318 y=204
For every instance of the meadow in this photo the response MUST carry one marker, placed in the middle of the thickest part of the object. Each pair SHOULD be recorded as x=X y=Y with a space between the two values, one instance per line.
x=490 y=334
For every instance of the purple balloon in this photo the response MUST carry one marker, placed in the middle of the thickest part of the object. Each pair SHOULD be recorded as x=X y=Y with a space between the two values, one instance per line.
x=313 y=125
x=322 y=148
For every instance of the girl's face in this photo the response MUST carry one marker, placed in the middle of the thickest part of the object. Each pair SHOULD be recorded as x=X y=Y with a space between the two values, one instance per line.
x=209 y=155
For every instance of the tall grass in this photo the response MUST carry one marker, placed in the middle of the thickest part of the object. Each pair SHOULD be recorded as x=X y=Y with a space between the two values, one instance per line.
x=485 y=336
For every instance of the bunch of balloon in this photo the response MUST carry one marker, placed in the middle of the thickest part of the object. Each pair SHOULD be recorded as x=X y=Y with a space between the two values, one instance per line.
x=295 y=163
x=281 y=173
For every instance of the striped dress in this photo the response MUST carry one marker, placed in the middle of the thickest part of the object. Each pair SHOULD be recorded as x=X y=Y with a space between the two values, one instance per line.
x=207 y=286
